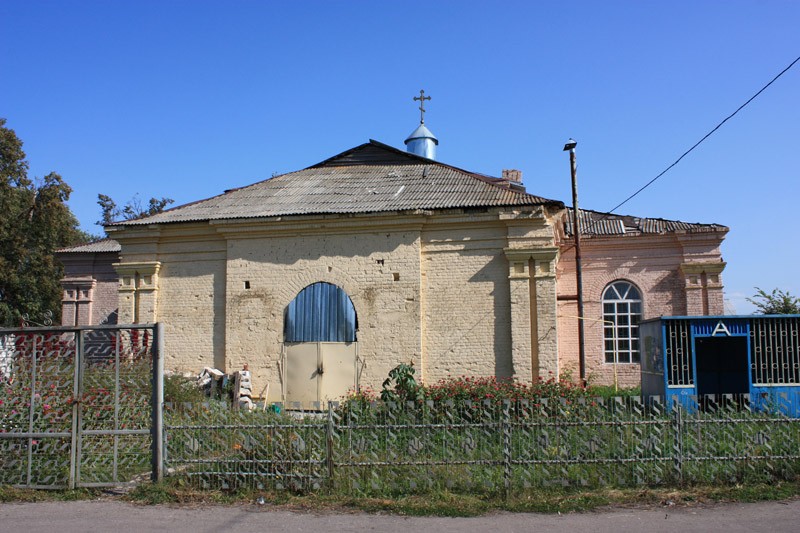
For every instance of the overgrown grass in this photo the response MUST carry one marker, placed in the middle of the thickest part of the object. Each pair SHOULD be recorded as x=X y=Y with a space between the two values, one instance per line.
x=443 y=503
x=12 y=494
x=438 y=503
x=608 y=391
x=393 y=450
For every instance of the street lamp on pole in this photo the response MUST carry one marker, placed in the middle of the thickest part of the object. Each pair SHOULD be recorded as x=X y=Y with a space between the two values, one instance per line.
x=576 y=231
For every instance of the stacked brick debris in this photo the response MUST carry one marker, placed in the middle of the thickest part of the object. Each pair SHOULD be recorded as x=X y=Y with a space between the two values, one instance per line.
x=243 y=389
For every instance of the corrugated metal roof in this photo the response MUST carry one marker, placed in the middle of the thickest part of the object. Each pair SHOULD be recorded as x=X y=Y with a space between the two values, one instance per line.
x=370 y=178
x=596 y=223
x=104 y=245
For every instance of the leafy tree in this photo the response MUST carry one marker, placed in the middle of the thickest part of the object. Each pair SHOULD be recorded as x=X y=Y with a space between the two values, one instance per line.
x=35 y=222
x=777 y=302
x=131 y=210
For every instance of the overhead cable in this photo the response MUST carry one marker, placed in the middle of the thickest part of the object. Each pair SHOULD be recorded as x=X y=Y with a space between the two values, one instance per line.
x=698 y=143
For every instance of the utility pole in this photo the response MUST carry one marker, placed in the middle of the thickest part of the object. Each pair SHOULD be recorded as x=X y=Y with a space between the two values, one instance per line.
x=576 y=231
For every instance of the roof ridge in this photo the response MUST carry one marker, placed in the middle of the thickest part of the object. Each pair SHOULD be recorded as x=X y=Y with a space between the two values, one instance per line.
x=490 y=180
x=335 y=185
x=610 y=224
x=619 y=215
x=111 y=243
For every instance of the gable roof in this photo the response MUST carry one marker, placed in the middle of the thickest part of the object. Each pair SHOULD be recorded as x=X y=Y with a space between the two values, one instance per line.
x=595 y=223
x=369 y=178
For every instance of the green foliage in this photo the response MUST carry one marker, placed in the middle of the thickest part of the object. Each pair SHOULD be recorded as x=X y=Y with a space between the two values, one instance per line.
x=777 y=302
x=133 y=209
x=35 y=222
x=153 y=494
x=14 y=494
x=608 y=391
x=445 y=503
x=441 y=503
x=178 y=389
x=401 y=386
x=361 y=400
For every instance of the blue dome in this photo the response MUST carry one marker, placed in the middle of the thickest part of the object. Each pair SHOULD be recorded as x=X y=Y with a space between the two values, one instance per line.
x=422 y=142
x=422 y=133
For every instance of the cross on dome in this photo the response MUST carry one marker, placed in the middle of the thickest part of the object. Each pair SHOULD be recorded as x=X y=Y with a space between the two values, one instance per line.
x=421 y=98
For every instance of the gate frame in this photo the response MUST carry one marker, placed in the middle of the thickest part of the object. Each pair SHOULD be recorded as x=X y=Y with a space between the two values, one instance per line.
x=77 y=432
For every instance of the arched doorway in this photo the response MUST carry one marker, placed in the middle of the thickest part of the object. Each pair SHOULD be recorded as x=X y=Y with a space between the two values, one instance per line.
x=320 y=345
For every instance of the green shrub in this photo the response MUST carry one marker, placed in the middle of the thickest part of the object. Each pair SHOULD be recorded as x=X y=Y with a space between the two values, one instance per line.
x=401 y=386
x=179 y=389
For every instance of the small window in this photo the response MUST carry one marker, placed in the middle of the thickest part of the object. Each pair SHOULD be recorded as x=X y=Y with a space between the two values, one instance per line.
x=622 y=311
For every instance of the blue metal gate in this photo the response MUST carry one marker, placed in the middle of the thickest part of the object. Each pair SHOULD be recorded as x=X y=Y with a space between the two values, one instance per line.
x=691 y=356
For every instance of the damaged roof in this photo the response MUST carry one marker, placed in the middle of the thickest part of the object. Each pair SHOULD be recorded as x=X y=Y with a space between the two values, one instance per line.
x=369 y=178
x=595 y=223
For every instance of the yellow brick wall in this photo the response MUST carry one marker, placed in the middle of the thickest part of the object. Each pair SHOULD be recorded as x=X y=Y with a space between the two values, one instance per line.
x=378 y=270
x=467 y=313
x=191 y=303
x=434 y=291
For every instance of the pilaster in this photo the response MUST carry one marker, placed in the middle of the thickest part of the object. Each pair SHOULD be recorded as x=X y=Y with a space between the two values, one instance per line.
x=703 y=288
x=138 y=292
x=76 y=302
x=534 y=338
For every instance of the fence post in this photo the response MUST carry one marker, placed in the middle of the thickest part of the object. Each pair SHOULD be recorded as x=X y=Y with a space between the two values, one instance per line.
x=157 y=404
x=506 y=428
x=31 y=410
x=677 y=448
x=329 y=445
x=77 y=398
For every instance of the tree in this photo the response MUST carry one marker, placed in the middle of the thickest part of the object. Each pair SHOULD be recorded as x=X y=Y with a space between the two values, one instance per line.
x=777 y=302
x=35 y=222
x=131 y=210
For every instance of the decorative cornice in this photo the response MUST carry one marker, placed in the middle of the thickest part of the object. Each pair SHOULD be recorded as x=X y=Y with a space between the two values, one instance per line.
x=144 y=268
x=543 y=262
x=700 y=268
x=545 y=253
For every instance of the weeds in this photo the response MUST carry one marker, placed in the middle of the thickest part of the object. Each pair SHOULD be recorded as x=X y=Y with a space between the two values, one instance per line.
x=445 y=503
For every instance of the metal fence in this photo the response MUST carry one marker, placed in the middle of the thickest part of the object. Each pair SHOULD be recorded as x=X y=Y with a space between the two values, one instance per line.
x=75 y=405
x=384 y=449
x=78 y=409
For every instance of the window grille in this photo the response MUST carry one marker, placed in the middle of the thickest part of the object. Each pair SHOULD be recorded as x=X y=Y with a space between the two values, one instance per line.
x=775 y=351
x=679 y=354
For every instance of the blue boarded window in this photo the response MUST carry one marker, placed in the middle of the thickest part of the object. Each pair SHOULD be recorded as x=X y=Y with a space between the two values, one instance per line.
x=322 y=312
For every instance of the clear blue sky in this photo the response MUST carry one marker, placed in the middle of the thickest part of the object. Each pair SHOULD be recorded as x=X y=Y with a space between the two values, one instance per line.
x=187 y=98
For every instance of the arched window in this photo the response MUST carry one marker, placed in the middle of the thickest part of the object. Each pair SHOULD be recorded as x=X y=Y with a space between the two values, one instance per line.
x=622 y=311
x=322 y=312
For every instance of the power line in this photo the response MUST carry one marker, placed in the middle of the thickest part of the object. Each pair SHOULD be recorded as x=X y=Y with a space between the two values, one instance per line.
x=698 y=143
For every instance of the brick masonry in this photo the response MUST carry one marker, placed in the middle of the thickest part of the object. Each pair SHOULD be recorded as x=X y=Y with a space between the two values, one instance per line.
x=483 y=293
x=90 y=289
x=676 y=275
x=432 y=290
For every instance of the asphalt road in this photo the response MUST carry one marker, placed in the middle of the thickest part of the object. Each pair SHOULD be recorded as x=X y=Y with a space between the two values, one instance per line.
x=118 y=517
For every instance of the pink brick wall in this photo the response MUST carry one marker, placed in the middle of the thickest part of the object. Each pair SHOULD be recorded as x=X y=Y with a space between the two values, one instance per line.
x=651 y=263
x=81 y=269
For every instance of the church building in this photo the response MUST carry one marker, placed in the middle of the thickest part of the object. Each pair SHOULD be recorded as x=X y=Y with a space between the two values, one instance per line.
x=326 y=278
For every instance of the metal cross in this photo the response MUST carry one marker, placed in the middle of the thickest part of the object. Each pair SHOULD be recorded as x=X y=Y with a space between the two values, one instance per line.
x=421 y=98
